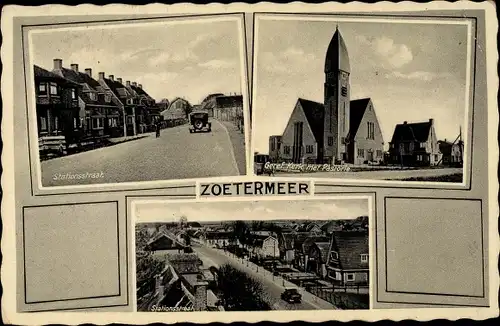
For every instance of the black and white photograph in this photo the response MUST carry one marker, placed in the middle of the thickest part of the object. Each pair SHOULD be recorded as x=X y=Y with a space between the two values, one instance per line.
x=362 y=98
x=253 y=255
x=139 y=101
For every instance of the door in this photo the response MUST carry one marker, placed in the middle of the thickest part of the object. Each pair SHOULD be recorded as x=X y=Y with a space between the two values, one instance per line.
x=297 y=141
x=370 y=155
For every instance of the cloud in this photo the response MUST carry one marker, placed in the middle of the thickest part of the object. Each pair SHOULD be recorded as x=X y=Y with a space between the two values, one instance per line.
x=390 y=54
x=417 y=75
x=218 y=64
x=287 y=60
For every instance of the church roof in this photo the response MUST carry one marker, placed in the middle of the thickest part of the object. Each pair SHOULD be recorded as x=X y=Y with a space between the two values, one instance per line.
x=315 y=114
x=337 y=57
x=412 y=132
x=357 y=111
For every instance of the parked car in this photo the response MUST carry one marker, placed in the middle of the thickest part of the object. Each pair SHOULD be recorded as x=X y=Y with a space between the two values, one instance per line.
x=291 y=296
x=199 y=122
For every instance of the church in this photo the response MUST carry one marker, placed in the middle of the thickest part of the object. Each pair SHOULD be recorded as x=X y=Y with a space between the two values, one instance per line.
x=337 y=131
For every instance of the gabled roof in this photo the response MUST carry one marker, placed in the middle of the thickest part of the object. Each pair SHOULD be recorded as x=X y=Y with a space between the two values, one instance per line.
x=324 y=249
x=356 y=113
x=310 y=240
x=80 y=77
x=117 y=88
x=315 y=114
x=41 y=73
x=412 y=132
x=350 y=246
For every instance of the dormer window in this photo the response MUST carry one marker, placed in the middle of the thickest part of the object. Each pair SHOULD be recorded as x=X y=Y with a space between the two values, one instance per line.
x=107 y=98
x=73 y=94
x=93 y=96
x=42 y=89
x=334 y=255
x=344 y=91
x=53 y=89
x=130 y=101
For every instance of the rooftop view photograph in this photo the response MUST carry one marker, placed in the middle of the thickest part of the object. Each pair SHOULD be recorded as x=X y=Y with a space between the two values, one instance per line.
x=139 y=101
x=253 y=256
x=377 y=99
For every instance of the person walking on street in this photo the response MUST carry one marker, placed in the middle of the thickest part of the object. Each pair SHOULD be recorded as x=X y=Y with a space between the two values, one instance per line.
x=157 y=129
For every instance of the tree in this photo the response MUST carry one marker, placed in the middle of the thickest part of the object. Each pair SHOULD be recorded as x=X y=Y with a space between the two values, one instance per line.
x=239 y=291
x=188 y=108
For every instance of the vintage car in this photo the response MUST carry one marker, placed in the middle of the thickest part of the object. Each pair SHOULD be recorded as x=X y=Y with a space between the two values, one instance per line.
x=291 y=296
x=198 y=121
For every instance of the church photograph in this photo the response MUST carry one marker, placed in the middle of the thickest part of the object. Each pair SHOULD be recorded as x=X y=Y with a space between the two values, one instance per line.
x=360 y=99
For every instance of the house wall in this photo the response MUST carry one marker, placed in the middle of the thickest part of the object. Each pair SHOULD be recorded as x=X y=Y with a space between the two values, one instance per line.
x=361 y=141
x=270 y=247
x=433 y=147
x=360 y=277
x=288 y=136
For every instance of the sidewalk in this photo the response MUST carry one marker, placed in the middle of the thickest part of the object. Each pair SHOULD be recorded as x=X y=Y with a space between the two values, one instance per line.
x=119 y=140
x=238 y=141
x=279 y=281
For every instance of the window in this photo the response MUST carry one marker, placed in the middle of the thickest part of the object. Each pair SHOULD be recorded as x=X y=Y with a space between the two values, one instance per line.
x=371 y=130
x=361 y=152
x=334 y=255
x=97 y=123
x=273 y=145
x=330 y=141
x=43 y=123
x=379 y=153
x=309 y=149
x=331 y=120
x=393 y=145
x=344 y=125
x=436 y=157
x=93 y=96
x=349 y=276
x=419 y=158
x=286 y=149
x=422 y=145
x=364 y=258
x=73 y=94
x=107 y=98
x=42 y=89
x=344 y=91
x=53 y=89
x=75 y=123
x=81 y=122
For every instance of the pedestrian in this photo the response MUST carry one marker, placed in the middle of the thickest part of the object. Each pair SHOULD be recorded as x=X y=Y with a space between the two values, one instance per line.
x=157 y=130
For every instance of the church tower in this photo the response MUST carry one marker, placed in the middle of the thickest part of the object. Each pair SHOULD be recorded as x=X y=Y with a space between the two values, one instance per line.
x=337 y=101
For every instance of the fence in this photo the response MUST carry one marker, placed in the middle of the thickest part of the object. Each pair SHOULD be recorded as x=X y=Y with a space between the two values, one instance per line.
x=342 y=300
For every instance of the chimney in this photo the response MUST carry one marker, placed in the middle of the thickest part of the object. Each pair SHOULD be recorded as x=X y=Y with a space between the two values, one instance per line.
x=140 y=86
x=57 y=64
x=406 y=122
x=127 y=83
x=74 y=67
x=101 y=75
x=112 y=77
x=134 y=84
x=431 y=121
x=119 y=79
x=88 y=71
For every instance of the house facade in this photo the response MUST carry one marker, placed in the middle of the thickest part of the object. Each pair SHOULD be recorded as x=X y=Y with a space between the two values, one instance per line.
x=452 y=153
x=415 y=144
x=99 y=116
x=270 y=247
x=348 y=259
x=339 y=130
x=57 y=109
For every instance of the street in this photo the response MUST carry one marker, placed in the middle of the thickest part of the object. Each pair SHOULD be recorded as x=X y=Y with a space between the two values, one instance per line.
x=272 y=288
x=177 y=154
x=378 y=174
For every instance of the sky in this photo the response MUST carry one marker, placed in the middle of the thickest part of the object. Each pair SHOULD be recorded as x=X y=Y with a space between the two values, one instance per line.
x=189 y=60
x=253 y=210
x=412 y=72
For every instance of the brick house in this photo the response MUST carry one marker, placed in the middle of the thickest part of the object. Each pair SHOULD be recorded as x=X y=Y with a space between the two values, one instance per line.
x=99 y=117
x=348 y=259
x=415 y=144
x=57 y=110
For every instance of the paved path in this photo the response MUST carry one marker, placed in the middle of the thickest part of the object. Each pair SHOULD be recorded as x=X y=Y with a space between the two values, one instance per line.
x=238 y=141
x=377 y=174
x=273 y=285
x=177 y=154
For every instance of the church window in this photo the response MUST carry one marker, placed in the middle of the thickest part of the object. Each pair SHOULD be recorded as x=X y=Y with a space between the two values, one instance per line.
x=309 y=149
x=344 y=91
x=286 y=149
x=331 y=119
x=345 y=120
x=371 y=130
x=361 y=152
x=330 y=141
x=273 y=146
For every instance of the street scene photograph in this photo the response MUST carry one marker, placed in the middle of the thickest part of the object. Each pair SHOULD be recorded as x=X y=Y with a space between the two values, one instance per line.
x=253 y=255
x=141 y=101
x=361 y=98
